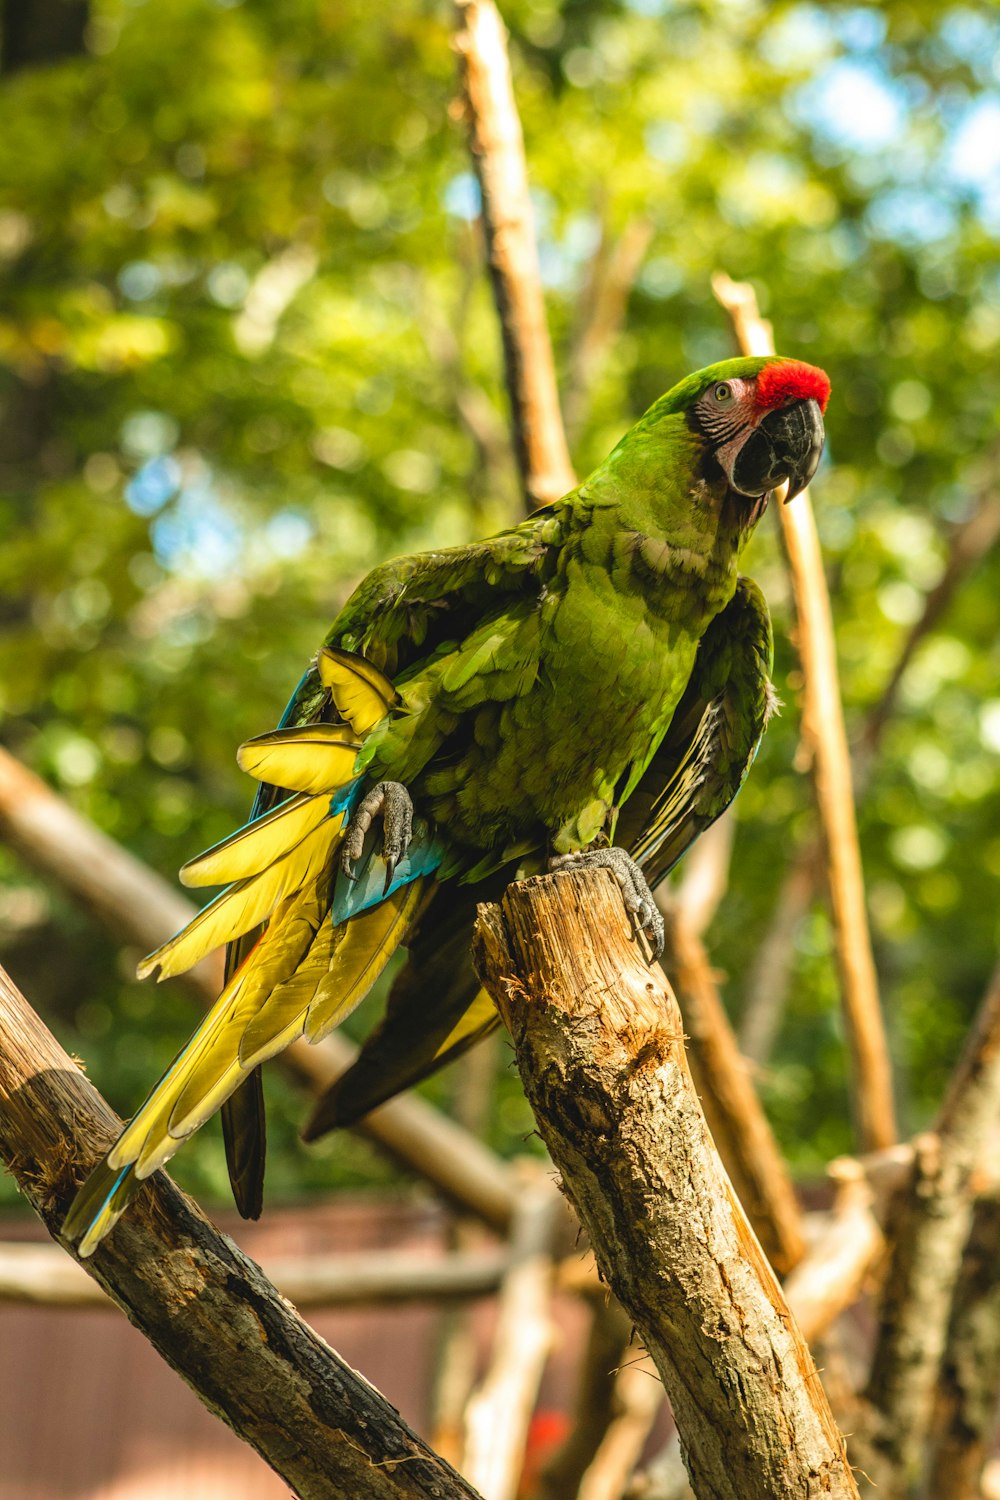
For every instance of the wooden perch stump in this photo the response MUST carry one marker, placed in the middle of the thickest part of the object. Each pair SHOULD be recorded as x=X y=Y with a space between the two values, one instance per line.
x=205 y=1307
x=600 y=1049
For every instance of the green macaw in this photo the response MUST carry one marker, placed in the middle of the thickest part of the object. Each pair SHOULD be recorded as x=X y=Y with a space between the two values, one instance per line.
x=591 y=682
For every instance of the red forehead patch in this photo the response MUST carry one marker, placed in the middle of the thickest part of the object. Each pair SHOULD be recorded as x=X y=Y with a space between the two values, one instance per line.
x=790 y=380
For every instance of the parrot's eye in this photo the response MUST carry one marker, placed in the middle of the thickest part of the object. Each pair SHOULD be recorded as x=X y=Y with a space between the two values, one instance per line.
x=723 y=394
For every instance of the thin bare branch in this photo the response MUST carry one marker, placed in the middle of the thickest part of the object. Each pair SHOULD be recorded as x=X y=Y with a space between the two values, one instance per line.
x=603 y=306
x=638 y=1397
x=599 y=1043
x=767 y=986
x=824 y=732
x=205 y=1307
x=497 y=147
x=739 y=1126
x=139 y=906
x=44 y=1276
x=847 y=1244
x=499 y=1412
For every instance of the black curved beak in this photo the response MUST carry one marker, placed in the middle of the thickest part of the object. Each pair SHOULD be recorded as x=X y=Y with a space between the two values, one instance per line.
x=786 y=444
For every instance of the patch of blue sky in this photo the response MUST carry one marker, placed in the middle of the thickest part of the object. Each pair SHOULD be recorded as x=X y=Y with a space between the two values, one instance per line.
x=198 y=536
x=666 y=141
x=972 y=37
x=156 y=482
x=973 y=157
x=854 y=105
x=910 y=216
x=861 y=28
x=140 y=280
x=462 y=197
x=288 y=534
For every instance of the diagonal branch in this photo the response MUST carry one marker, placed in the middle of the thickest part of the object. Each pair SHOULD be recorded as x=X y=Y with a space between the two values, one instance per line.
x=824 y=733
x=497 y=147
x=204 y=1306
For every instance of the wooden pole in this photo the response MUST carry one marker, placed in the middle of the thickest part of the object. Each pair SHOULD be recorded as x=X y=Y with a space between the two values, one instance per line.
x=824 y=732
x=599 y=1044
x=204 y=1306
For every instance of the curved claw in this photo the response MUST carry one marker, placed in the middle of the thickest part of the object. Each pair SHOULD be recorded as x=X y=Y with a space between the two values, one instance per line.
x=391 y=801
x=637 y=896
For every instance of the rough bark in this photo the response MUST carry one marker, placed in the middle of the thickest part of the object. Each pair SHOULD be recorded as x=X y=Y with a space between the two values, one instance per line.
x=497 y=148
x=204 y=1306
x=599 y=1044
x=970 y=1372
x=825 y=736
x=930 y=1230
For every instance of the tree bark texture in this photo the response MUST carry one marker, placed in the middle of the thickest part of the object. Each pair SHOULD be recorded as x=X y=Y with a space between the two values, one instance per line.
x=205 y=1307
x=931 y=1228
x=599 y=1044
x=970 y=1374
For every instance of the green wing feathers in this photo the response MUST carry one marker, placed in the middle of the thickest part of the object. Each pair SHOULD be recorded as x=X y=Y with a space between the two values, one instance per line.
x=705 y=756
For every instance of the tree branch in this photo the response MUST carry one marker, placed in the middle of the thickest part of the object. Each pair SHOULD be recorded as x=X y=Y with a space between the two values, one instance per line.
x=824 y=732
x=931 y=1229
x=497 y=147
x=970 y=1371
x=204 y=1306
x=135 y=903
x=739 y=1126
x=599 y=1044
x=499 y=1411
x=42 y=1275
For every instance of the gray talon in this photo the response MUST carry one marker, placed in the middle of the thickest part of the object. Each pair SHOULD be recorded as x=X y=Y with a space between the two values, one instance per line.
x=391 y=801
x=637 y=896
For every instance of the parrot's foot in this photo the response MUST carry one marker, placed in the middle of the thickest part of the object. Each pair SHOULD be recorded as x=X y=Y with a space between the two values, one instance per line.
x=391 y=801
x=638 y=897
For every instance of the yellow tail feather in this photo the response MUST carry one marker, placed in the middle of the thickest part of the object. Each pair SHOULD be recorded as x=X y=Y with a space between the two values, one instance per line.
x=259 y=844
x=369 y=941
x=360 y=693
x=318 y=758
x=245 y=904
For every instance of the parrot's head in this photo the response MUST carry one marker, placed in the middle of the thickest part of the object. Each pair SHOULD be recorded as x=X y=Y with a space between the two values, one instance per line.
x=761 y=421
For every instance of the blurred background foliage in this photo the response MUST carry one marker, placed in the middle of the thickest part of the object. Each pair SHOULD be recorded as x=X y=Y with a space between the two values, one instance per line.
x=247 y=349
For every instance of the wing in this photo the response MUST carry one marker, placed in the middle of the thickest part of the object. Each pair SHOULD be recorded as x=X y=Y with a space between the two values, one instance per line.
x=407 y=608
x=437 y=1009
x=401 y=612
x=706 y=753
